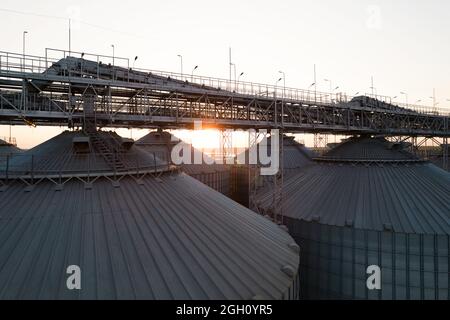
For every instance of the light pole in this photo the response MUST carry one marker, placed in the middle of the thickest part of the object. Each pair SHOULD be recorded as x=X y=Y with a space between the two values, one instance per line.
x=434 y=100
x=331 y=88
x=113 y=50
x=135 y=58
x=406 y=96
x=332 y=92
x=231 y=63
x=284 y=82
x=192 y=73
x=284 y=96
x=276 y=86
x=435 y=106
x=309 y=89
x=234 y=67
x=23 y=48
x=315 y=84
x=372 y=87
x=330 y=82
x=240 y=75
x=70 y=37
x=181 y=65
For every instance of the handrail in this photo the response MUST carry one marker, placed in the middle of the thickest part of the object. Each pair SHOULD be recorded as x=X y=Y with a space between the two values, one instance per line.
x=32 y=165
x=16 y=63
x=9 y=140
x=24 y=63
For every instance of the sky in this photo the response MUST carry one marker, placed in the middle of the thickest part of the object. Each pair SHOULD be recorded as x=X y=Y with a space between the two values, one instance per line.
x=402 y=44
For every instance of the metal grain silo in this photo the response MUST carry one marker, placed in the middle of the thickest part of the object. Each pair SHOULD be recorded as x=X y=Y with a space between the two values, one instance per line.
x=296 y=156
x=7 y=148
x=216 y=176
x=366 y=203
x=441 y=158
x=136 y=227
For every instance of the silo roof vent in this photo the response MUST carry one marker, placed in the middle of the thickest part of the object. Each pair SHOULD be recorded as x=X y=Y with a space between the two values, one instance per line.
x=81 y=144
x=289 y=270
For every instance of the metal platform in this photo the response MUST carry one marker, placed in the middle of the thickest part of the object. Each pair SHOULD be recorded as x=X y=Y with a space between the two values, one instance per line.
x=53 y=91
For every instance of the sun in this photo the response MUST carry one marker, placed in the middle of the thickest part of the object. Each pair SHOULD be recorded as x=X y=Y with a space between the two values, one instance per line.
x=201 y=139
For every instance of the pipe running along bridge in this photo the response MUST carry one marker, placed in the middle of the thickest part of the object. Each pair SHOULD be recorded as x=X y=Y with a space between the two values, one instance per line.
x=63 y=88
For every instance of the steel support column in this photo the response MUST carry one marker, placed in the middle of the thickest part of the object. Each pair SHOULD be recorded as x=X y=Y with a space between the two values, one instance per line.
x=445 y=163
x=253 y=170
x=278 y=180
x=227 y=145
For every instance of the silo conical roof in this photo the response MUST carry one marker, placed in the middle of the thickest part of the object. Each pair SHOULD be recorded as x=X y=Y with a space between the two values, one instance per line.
x=8 y=148
x=367 y=148
x=296 y=155
x=165 y=141
x=140 y=236
x=74 y=152
x=366 y=206
x=407 y=195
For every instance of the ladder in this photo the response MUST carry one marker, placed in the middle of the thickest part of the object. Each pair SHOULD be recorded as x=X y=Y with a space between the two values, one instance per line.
x=109 y=150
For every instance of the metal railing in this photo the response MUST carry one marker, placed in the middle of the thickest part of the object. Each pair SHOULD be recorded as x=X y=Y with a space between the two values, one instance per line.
x=19 y=63
x=33 y=166
x=433 y=111
x=118 y=69
x=9 y=140
x=410 y=107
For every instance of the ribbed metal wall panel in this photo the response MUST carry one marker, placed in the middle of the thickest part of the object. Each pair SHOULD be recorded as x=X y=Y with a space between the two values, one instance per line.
x=134 y=235
x=370 y=149
x=165 y=238
x=6 y=151
x=369 y=204
x=333 y=263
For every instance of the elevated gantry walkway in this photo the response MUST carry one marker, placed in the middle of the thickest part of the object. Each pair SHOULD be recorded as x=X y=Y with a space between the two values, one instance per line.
x=54 y=91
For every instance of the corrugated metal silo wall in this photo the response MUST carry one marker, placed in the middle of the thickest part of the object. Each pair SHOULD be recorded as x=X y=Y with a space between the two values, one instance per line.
x=240 y=184
x=440 y=162
x=334 y=260
x=219 y=180
x=293 y=293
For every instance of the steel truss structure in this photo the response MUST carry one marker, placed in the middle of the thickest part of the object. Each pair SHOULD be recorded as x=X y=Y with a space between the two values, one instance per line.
x=75 y=88
x=416 y=143
x=44 y=91
x=253 y=170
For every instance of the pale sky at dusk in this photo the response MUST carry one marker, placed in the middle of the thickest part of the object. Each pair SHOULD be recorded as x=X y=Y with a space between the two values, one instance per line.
x=403 y=44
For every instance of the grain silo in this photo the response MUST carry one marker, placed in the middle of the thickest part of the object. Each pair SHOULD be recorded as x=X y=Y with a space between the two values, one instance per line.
x=295 y=157
x=135 y=227
x=216 y=176
x=369 y=203
x=7 y=149
x=441 y=158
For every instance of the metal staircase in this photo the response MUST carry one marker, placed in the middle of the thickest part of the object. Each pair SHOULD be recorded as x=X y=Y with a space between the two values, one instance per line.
x=110 y=149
